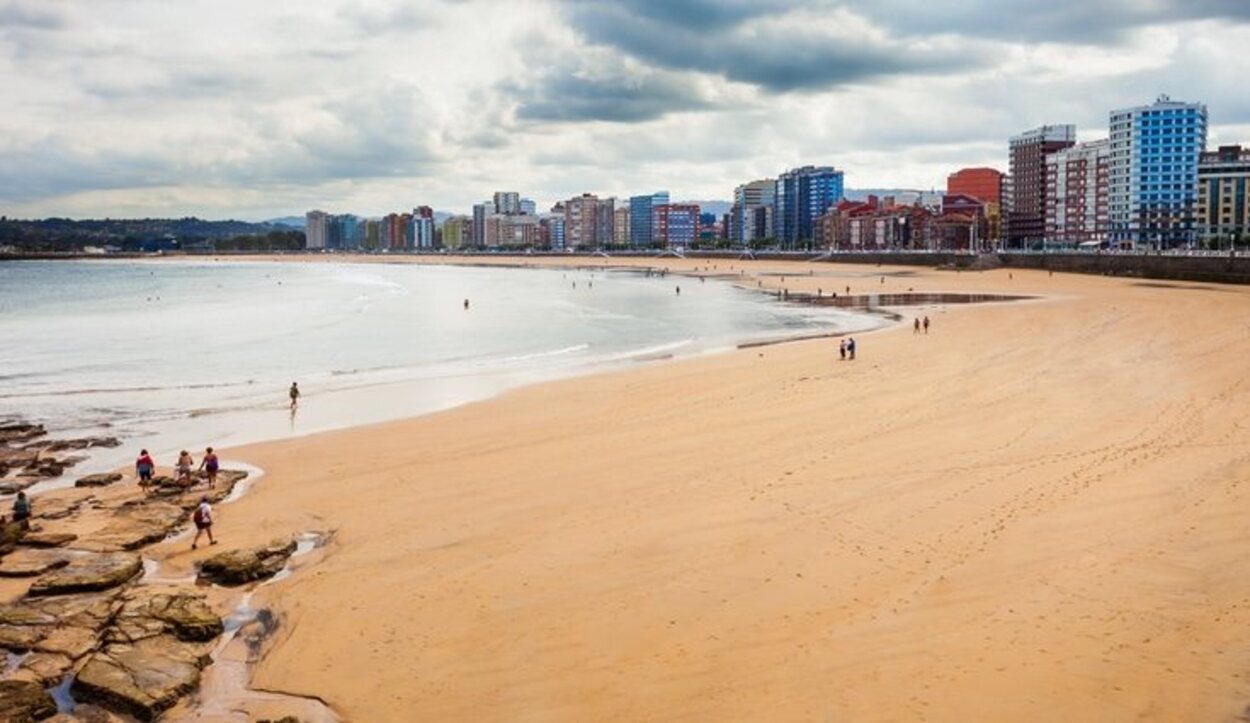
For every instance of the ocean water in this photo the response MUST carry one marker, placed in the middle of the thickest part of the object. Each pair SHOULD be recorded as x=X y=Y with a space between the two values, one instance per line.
x=185 y=354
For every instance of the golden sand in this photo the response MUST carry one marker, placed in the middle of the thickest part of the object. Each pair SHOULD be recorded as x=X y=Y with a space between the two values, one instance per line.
x=1037 y=512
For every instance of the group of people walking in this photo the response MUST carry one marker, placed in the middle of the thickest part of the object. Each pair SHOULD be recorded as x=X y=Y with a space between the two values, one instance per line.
x=145 y=468
x=846 y=347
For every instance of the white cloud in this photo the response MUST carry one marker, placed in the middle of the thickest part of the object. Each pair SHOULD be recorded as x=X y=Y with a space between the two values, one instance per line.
x=243 y=109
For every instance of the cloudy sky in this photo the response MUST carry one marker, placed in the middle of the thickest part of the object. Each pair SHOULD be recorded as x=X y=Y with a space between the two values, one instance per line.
x=260 y=108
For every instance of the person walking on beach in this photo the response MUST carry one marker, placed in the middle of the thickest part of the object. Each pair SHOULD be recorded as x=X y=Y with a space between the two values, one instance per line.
x=210 y=465
x=850 y=348
x=842 y=349
x=294 y=395
x=185 y=463
x=144 y=468
x=203 y=519
x=926 y=324
x=21 y=510
x=915 y=328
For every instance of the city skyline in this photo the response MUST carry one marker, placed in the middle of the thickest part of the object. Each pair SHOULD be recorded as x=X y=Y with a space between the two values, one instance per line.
x=256 y=112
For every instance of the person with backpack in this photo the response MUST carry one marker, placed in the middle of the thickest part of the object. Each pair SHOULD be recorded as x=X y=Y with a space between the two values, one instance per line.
x=203 y=519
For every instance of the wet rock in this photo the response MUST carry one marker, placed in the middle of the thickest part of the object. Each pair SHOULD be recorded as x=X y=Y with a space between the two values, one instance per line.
x=98 y=480
x=10 y=534
x=17 y=458
x=45 y=467
x=135 y=526
x=87 y=714
x=20 y=638
x=46 y=669
x=29 y=563
x=71 y=641
x=183 y=615
x=188 y=496
x=141 y=679
x=62 y=445
x=47 y=539
x=89 y=611
x=237 y=567
x=24 y=701
x=89 y=574
x=13 y=432
x=59 y=508
x=12 y=487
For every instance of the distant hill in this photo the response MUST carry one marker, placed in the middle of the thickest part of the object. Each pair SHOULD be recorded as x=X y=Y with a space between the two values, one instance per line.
x=292 y=221
x=54 y=234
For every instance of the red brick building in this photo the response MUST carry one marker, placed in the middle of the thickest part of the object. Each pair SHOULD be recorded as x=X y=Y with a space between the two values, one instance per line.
x=983 y=183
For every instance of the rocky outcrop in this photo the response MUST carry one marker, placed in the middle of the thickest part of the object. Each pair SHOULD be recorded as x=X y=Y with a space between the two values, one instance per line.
x=188 y=496
x=56 y=632
x=29 y=563
x=62 y=445
x=139 y=651
x=10 y=534
x=57 y=509
x=183 y=615
x=13 y=486
x=89 y=574
x=142 y=678
x=136 y=525
x=238 y=567
x=98 y=480
x=47 y=539
x=24 y=701
x=15 y=432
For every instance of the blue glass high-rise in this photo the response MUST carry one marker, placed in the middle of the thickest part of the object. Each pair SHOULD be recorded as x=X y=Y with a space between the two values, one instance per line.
x=802 y=195
x=1154 y=173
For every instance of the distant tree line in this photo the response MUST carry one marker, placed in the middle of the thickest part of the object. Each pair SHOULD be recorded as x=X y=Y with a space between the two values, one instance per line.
x=147 y=235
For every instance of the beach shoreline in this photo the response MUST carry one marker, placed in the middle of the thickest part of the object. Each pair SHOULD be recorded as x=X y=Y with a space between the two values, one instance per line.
x=1038 y=499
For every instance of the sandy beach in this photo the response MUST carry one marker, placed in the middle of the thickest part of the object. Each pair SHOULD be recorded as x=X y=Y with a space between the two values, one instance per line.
x=1034 y=512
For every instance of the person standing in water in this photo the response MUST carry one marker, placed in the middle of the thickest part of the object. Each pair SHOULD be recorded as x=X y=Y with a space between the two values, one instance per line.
x=203 y=519
x=294 y=395
x=210 y=465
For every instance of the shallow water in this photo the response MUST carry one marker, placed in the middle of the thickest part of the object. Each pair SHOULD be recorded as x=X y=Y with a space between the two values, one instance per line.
x=170 y=355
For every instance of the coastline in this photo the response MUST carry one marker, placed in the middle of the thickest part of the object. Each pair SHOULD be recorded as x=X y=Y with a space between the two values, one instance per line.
x=357 y=397
x=1043 y=500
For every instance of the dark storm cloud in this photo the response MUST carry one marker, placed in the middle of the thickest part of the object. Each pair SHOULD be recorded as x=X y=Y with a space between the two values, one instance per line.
x=742 y=41
x=1089 y=21
x=568 y=95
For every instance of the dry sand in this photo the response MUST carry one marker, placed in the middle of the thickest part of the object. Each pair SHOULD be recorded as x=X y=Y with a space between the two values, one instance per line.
x=1036 y=512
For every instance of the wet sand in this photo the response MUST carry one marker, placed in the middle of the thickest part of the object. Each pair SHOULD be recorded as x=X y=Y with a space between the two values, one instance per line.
x=1036 y=512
